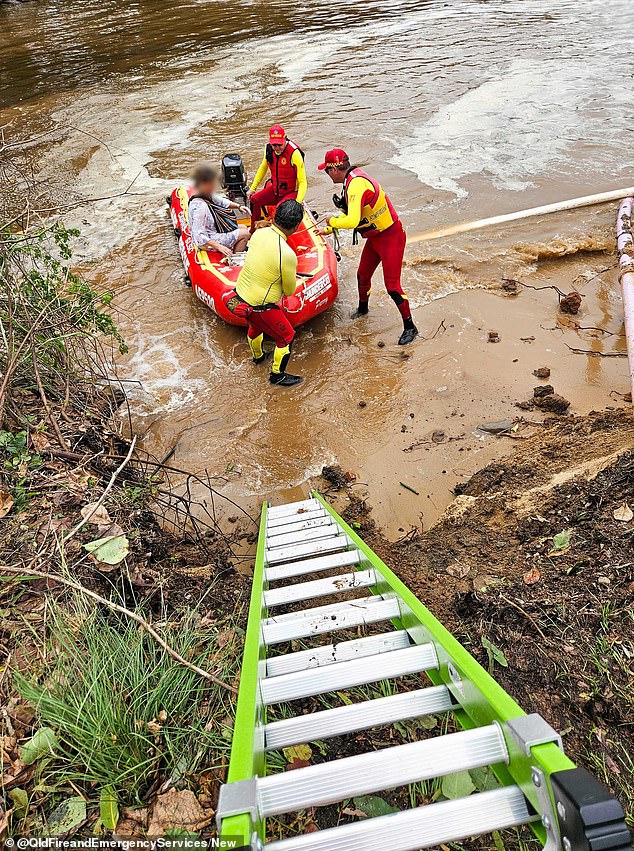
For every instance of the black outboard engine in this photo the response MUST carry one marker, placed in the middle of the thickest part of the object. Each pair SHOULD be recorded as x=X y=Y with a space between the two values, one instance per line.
x=234 y=177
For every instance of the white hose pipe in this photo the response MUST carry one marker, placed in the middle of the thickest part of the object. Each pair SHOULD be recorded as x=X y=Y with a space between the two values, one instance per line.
x=625 y=245
x=559 y=206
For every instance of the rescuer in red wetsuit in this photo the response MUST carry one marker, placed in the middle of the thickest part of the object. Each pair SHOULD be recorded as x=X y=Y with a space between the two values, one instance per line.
x=284 y=160
x=368 y=210
x=268 y=275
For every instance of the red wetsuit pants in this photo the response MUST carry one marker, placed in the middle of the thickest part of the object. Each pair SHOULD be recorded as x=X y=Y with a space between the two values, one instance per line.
x=385 y=248
x=271 y=321
x=266 y=197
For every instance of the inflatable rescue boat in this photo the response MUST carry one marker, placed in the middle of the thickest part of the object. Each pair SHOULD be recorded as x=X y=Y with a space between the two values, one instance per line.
x=213 y=277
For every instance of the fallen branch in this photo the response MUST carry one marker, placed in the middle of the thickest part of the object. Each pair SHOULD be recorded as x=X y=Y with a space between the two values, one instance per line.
x=84 y=458
x=442 y=327
x=107 y=490
x=49 y=413
x=584 y=280
x=81 y=201
x=76 y=586
x=578 y=327
x=527 y=616
x=408 y=488
x=560 y=293
x=596 y=354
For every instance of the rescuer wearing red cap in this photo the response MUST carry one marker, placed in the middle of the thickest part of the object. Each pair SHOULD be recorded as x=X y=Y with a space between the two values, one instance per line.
x=285 y=162
x=368 y=210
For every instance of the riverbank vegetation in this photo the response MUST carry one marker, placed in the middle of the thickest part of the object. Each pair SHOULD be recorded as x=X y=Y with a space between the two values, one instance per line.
x=122 y=611
x=119 y=635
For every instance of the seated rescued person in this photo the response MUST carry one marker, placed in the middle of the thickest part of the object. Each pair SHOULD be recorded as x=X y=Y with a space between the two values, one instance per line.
x=211 y=222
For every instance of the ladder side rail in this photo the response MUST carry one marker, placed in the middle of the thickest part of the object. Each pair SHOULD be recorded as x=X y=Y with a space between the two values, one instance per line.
x=481 y=699
x=248 y=755
x=575 y=809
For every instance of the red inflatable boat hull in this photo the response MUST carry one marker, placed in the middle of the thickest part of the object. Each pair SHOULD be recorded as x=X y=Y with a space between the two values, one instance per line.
x=213 y=279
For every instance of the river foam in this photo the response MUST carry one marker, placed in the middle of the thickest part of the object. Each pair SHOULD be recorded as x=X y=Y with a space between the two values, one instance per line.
x=520 y=123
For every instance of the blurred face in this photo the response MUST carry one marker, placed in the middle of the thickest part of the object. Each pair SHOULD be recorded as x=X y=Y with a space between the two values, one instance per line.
x=278 y=147
x=208 y=187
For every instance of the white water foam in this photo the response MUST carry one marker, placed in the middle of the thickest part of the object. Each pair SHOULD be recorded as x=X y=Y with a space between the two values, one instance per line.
x=160 y=373
x=514 y=126
x=259 y=481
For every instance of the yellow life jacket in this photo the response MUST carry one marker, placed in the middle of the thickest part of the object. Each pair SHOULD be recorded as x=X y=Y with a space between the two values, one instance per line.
x=377 y=214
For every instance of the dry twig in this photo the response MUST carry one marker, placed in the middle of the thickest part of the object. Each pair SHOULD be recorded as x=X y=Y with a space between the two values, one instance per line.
x=105 y=493
x=76 y=586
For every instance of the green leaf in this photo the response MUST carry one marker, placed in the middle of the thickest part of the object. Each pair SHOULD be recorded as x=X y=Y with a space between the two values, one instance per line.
x=495 y=654
x=426 y=722
x=458 y=785
x=110 y=550
x=69 y=815
x=109 y=807
x=20 y=802
x=484 y=779
x=43 y=742
x=373 y=806
x=408 y=729
x=562 y=540
x=499 y=842
x=303 y=752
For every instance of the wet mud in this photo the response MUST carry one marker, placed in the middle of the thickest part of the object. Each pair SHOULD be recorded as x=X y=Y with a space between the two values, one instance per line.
x=514 y=114
x=535 y=557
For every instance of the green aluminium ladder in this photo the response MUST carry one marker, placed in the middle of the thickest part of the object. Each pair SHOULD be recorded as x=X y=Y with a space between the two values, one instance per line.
x=538 y=784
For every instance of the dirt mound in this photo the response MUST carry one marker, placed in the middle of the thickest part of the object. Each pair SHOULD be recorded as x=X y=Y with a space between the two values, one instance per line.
x=536 y=557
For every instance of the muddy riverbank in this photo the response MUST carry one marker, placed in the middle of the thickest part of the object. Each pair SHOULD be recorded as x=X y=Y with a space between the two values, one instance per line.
x=516 y=535
x=531 y=568
x=480 y=108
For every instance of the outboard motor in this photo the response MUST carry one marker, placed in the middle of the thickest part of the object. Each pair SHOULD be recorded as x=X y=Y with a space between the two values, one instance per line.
x=234 y=177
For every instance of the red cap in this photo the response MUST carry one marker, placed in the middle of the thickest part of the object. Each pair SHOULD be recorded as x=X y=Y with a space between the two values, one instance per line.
x=335 y=157
x=277 y=134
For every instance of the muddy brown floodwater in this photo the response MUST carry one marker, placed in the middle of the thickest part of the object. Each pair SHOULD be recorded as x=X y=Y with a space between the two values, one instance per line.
x=462 y=109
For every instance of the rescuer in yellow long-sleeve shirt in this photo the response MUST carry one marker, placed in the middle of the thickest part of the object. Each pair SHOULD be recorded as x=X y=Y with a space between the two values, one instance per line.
x=368 y=210
x=270 y=273
x=285 y=162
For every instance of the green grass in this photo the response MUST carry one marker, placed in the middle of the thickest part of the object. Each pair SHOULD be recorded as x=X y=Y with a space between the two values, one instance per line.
x=126 y=715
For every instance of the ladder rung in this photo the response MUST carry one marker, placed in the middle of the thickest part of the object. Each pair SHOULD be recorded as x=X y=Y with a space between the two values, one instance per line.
x=313 y=565
x=357 y=716
x=312 y=548
x=286 y=520
x=300 y=526
x=329 y=782
x=303 y=536
x=290 y=520
x=292 y=508
x=329 y=618
x=343 y=651
x=319 y=587
x=371 y=669
x=423 y=827
x=331 y=608
x=274 y=522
